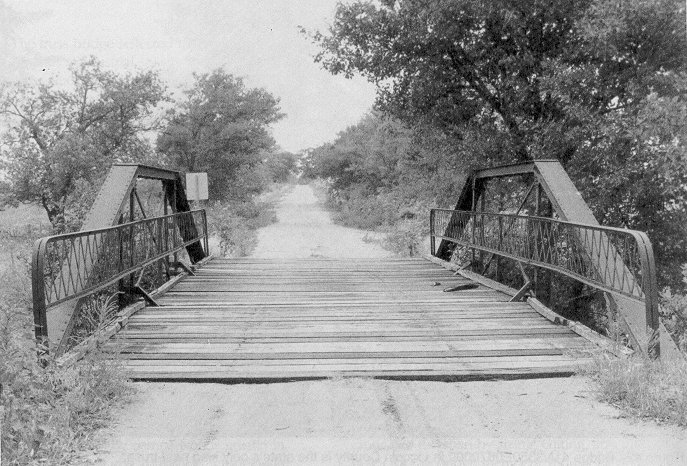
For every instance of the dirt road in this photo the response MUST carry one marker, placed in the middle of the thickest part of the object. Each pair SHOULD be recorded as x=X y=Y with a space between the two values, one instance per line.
x=304 y=229
x=546 y=421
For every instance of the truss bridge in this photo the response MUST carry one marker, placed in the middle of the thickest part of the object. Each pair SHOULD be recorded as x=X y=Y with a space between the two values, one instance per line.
x=518 y=271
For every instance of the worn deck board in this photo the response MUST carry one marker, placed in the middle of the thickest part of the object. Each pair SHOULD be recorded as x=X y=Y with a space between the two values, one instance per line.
x=256 y=319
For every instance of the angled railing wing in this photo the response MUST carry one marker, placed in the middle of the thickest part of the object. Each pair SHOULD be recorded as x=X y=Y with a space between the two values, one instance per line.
x=554 y=194
x=114 y=203
x=71 y=266
x=614 y=260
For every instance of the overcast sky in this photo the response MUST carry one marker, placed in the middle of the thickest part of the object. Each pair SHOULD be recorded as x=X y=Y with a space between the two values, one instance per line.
x=256 y=39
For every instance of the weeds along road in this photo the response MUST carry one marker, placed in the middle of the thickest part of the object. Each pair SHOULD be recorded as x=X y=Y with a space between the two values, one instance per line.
x=545 y=421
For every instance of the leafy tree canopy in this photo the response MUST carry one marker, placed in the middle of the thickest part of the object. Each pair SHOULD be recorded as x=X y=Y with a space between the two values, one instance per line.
x=221 y=127
x=597 y=84
x=62 y=141
x=281 y=165
x=454 y=61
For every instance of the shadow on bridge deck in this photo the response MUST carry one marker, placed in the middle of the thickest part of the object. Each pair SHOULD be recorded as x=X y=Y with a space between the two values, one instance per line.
x=242 y=320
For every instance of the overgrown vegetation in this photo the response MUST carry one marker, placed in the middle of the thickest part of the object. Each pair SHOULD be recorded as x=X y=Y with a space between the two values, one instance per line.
x=643 y=388
x=50 y=413
x=385 y=175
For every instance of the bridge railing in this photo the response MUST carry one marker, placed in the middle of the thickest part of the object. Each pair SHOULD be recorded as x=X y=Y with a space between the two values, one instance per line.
x=615 y=260
x=76 y=265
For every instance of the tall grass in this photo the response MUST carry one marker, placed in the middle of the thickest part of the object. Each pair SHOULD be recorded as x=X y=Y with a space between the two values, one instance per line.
x=51 y=412
x=642 y=387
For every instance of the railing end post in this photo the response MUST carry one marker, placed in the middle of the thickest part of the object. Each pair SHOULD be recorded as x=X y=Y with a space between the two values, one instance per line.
x=38 y=291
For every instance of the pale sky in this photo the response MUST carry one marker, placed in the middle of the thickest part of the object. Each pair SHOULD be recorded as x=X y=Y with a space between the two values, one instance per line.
x=256 y=39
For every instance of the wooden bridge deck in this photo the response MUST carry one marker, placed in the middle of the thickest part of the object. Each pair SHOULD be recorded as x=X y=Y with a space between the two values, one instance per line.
x=253 y=319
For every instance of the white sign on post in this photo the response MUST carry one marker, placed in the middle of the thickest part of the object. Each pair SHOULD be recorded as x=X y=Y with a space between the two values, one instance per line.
x=197 y=186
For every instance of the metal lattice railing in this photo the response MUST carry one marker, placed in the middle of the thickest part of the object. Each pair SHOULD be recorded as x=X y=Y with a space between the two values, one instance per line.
x=74 y=265
x=615 y=260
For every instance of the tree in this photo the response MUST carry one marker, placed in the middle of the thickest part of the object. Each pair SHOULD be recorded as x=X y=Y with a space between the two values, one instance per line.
x=631 y=161
x=61 y=142
x=281 y=165
x=451 y=62
x=457 y=61
x=597 y=84
x=221 y=127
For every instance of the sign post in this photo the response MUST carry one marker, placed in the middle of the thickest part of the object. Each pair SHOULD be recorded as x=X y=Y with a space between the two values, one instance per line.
x=197 y=186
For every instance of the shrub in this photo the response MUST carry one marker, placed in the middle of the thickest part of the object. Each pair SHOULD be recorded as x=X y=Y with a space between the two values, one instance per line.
x=50 y=413
x=235 y=225
x=406 y=237
x=367 y=213
x=674 y=312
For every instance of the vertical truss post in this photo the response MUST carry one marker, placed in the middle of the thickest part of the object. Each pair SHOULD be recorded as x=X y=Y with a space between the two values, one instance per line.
x=432 y=239
x=482 y=205
x=537 y=201
x=542 y=280
x=498 y=258
x=207 y=235
x=165 y=228
x=121 y=285
x=174 y=209
x=474 y=221
x=132 y=207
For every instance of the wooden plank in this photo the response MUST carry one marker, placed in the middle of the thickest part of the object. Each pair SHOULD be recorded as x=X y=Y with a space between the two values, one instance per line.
x=264 y=288
x=360 y=366
x=445 y=375
x=156 y=331
x=319 y=323
x=328 y=330
x=274 y=320
x=342 y=316
x=336 y=310
x=295 y=300
x=218 y=338
x=285 y=369
x=195 y=355
x=366 y=313
x=419 y=360
x=251 y=329
x=360 y=347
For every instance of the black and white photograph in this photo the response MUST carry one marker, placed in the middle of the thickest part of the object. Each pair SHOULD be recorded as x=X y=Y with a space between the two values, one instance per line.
x=367 y=232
